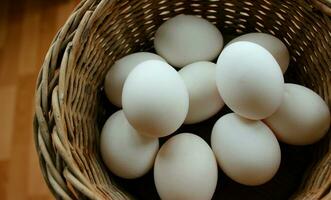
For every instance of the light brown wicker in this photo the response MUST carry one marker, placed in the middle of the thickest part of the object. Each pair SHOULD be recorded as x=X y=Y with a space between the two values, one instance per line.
x=69 y=98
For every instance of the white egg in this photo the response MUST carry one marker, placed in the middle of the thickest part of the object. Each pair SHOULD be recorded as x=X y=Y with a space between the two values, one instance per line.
x=246 y=150
x=274 y=45
x=125 y=151
x=185 y=39
x=185 y=168
x=155 y=99
x=302 y=118
x=249 y=80
x=118 y=73
x=205 y=100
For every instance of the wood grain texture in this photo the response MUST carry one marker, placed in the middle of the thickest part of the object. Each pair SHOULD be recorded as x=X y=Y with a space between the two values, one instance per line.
x=27 y=28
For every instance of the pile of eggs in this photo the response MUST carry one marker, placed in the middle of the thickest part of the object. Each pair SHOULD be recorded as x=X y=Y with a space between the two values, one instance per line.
x=156 y=100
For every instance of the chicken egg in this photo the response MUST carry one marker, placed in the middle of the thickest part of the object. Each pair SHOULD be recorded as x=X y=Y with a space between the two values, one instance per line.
x=205 y=100
x=249 y=80
x=185 y=168
x=155 y=99
x=125 y=151
x=302 y=118
x=185 y=39
x=246 y=150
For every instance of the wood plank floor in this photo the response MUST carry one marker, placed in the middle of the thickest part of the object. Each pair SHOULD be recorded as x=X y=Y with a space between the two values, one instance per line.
x=27 y=28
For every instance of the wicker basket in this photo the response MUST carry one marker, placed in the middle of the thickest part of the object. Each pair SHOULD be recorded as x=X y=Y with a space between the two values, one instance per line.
x=70 y=105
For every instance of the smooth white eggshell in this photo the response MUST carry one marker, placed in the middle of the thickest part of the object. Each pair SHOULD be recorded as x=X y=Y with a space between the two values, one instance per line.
x=185 y=168
x=185 y=39
x=155 y=99
x=118 y=73
x=302 y=118
x=249 y=80
x=126 y=153
x=274 y=45
x=205 y=100
x=246 y=150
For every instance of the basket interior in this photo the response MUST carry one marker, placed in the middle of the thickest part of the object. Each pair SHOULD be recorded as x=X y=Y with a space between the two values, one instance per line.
x=128 y=26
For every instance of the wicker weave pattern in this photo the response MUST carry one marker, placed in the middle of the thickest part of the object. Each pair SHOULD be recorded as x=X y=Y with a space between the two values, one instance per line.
x=99 y=32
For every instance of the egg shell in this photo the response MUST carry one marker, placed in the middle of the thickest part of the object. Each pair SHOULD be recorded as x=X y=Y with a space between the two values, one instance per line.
x=126 y=153
x=205 y=100
x=185 y=168
x=118 y=73
x=155 y=99
x=185 y=39
x=271 y=43
x=303 y=117
x=246 y=150
x=249 y=80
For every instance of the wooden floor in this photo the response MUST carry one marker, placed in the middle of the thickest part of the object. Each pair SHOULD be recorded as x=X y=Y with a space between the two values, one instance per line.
x=26 y=30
